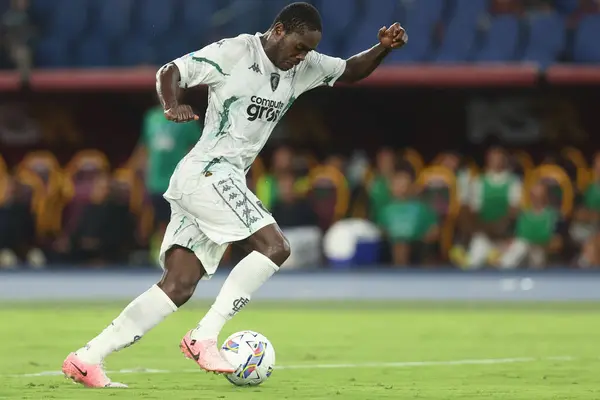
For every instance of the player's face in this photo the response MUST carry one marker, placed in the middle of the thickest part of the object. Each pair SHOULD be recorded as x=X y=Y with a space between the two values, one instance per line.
x=293 y=48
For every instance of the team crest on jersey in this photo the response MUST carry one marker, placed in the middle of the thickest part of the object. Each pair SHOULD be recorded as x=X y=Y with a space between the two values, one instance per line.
x=274 y=80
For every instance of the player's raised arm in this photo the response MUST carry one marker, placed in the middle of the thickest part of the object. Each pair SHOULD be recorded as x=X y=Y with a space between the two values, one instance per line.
x=363 y=64
x=207 y=66
x=168 y=78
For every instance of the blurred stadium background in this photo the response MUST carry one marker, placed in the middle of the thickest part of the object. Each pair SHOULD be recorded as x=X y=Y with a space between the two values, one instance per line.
x=466 y=168
x=472 y=147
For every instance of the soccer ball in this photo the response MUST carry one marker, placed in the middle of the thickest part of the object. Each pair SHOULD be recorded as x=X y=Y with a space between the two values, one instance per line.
x=252 y=355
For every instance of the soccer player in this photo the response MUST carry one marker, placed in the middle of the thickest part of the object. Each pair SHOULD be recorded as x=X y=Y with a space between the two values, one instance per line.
x=252 y=81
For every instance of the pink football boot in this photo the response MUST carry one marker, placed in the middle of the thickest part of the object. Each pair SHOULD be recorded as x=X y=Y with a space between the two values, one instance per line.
x=89 y=375
x=206 y=354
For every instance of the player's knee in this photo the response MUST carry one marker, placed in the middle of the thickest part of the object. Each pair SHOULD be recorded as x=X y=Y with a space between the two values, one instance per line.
x=178 y=290
x=182 y=273
x=278 y=250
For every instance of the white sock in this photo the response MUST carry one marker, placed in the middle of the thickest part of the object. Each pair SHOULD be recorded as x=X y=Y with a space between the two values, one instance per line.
x=141 y=315
x=245 y=278
x=479 y=250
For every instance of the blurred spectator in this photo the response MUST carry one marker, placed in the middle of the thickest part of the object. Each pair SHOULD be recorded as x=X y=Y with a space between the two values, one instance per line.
x=162 y=145
x=284 y=162
x=299 y=222
x=17 y=33
x=537 y=235
x=586 y=219
x=411 y=225
x=290 y=210
x=267 y=189
x=495 y=199
x=104 y=230
x=17 y=226
x=379 y=190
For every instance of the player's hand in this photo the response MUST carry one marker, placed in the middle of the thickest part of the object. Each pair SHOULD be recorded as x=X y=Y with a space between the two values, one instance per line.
x=181 y=113
x=393 y=37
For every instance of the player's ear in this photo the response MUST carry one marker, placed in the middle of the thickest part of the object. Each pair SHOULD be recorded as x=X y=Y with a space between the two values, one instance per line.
x=278 y=29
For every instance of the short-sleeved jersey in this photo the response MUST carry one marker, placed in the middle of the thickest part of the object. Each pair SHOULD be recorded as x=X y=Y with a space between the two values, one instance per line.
x=247 y=96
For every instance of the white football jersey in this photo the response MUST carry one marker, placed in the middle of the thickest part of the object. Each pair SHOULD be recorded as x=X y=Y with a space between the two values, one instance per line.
x=247 y=96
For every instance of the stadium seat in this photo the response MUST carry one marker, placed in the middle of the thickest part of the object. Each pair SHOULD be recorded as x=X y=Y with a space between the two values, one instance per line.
x=112 y=18
x=41 y=10
x=586 y=48
x=566 y=6
x=67 y=19
x=460 y=33
x=501 y=41
x=329 y=194
x=336 y=23
x=420 y=20
x=52 y=52
x=240 y=17
x=93 y=52
x=132 y=51
x=153 y=18
x=437 y=187
x=546 y=38
x=365 y=33
x=196 y=18
x=561 y=191
x=168 y=49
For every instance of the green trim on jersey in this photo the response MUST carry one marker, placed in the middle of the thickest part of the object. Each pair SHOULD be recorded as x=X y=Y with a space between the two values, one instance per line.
x=225 y=114
x=288 y=105
x=210 y=62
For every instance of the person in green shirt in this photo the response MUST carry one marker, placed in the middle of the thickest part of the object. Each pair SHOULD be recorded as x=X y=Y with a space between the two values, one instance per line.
x=537 y=233
x=411 y=225
x=495 y=197
x=379 y=190
x=162 y=145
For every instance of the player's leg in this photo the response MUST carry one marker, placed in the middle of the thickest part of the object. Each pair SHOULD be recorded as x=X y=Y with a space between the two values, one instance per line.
x=267 y=249
x=182 y=271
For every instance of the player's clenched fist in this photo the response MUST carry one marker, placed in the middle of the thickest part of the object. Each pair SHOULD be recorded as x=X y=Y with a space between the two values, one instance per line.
x=181 y=113
x=393 y=37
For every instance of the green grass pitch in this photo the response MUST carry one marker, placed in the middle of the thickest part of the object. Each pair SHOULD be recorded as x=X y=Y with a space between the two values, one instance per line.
x=344 y=351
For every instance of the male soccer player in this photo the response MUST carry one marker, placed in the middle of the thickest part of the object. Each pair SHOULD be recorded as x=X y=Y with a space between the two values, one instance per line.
x=252 y=81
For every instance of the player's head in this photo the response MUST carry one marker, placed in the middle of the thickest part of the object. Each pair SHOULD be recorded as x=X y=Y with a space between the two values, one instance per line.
x=295 y=31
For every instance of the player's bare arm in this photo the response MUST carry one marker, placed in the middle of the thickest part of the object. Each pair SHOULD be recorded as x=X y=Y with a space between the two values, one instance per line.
x=363 y=64
x=167 y=88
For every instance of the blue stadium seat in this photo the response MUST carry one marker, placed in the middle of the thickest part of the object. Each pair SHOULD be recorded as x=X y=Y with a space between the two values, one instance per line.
x=501 y=41
x=153 y=18
x=336 y=19
x=546 y=39
x=460 y=32
x=112 y=18
x=168 y=50
x=4 y=5
x=52 y=52
x=246 y=16
x=566 y=6
x=376 y=15
x=420 y=21
x=41 y=9
x=586 y=48
x=94 y=51
x=196 y=18
x=134 y=51
x=68 y=18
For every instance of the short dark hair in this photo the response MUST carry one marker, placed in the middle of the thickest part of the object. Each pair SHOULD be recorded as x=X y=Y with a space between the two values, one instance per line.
x=299 y=17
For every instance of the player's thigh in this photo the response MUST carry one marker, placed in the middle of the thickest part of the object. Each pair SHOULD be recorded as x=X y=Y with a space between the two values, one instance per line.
x=269 y=241
x=184 y=234
x=225 y=210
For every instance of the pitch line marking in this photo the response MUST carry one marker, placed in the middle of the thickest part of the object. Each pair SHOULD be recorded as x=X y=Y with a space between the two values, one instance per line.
x=402 y=364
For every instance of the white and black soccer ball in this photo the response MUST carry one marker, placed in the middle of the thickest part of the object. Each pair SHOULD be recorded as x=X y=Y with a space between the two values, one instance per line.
x=252 y=355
